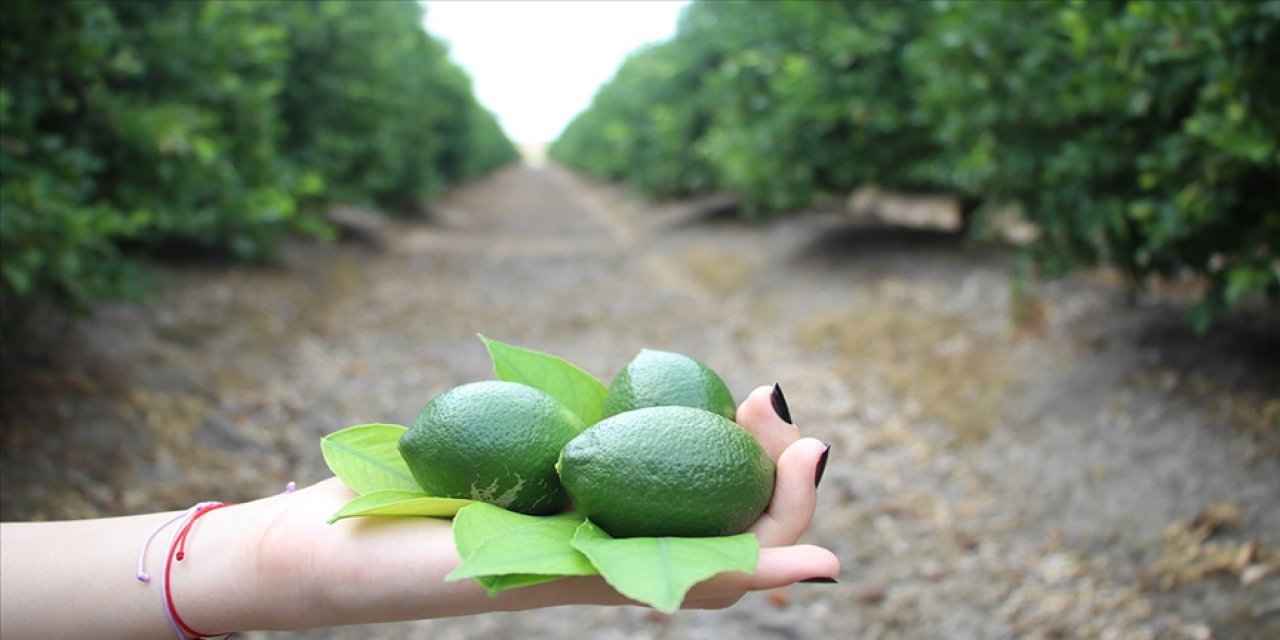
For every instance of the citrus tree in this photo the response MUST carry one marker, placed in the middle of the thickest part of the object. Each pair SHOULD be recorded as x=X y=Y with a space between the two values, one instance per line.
x=131 y=127
x=640 y=125
x=119 y=131
x=1144 y=135
x=1137 y=134
x=375 y=107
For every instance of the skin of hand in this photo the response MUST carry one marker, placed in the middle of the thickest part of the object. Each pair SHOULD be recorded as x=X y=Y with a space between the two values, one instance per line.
x=275 y=563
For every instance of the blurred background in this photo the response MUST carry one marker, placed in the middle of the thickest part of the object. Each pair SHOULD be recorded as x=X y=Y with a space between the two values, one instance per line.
x=1016 y=262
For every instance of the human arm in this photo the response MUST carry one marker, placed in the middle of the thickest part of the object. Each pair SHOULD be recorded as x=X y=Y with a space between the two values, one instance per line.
x=275 y=563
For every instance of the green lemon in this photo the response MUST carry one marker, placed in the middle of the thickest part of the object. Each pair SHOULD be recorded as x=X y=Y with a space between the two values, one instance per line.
x=667 y=471
x=662 y=378
x=493 y=441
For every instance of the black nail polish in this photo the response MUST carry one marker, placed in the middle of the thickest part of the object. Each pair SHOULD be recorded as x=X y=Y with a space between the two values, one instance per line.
x=780 y=404
x=822 y=467
x=821 y=580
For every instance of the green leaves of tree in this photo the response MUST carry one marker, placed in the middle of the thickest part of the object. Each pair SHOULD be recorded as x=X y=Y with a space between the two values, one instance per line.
x=1141 y=135
x=143 y=125
x=371 y=131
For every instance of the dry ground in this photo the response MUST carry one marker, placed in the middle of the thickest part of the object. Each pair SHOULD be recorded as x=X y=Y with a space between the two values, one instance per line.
x=1065 y=464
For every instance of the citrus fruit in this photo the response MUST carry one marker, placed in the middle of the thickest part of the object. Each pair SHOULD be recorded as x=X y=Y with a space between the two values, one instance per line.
x=493 y=441
x=662 y=378
x=667 y=471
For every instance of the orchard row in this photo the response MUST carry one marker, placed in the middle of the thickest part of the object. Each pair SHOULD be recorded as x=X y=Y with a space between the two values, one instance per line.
x=1140 y=134
x=128 y=128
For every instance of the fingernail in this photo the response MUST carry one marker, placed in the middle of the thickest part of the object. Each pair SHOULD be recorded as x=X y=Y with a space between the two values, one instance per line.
x=780 y=404
x=821 y=580
x=822 y=467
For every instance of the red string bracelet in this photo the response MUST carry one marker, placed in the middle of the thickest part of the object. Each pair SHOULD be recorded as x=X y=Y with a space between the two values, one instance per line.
x=178 y=551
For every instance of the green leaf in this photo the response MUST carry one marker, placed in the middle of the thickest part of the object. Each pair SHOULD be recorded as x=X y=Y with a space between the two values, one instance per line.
x=493 y=585
x=503 y=550
x=576 y=389
x=660 y=571
x=366 y=458
x=394 y=502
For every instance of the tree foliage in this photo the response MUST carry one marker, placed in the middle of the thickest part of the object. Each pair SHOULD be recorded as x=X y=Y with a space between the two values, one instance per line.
x=1141 y=134
x=1145 y=135
x=375 y=106
x=128 y=126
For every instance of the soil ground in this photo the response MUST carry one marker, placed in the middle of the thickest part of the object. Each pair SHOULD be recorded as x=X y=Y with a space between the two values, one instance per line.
x=1065 y=463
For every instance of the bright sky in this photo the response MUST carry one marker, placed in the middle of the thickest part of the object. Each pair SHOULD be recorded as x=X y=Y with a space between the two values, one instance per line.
x=536 y=64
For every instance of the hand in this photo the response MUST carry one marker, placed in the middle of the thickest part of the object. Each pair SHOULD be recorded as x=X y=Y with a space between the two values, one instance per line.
x=365 y=570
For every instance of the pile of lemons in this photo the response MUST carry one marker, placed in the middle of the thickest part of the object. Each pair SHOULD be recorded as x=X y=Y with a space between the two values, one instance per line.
x=666 y=459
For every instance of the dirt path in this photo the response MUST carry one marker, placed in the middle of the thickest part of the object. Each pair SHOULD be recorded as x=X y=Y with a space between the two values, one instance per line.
x=1092 y=472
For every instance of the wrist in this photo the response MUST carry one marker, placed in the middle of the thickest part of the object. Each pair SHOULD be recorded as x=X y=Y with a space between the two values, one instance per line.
x=213 y=585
